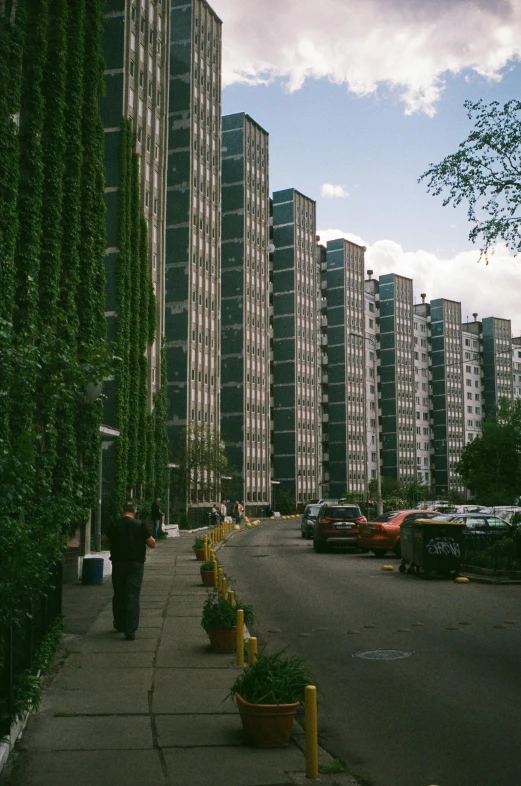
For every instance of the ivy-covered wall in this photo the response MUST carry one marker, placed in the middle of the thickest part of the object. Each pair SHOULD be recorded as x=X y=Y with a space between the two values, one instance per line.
x=52 y=244
x=141 y=449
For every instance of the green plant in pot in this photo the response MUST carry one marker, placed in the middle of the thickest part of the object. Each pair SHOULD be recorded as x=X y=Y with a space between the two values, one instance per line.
x=198 y=548
x=219 y=618
x=268 y=694
x=207 y=573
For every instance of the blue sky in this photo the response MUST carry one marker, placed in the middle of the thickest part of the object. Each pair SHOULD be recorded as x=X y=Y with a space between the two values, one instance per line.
x=366 y=108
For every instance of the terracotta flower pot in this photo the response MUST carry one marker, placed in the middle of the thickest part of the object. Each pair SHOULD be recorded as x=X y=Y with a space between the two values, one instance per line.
x=207 y=578
x=199 y=554
x=223 y=639
x=267 y=725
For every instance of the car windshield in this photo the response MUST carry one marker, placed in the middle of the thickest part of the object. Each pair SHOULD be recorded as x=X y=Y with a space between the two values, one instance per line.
x=312 y=511
x=342 y=512
x=389 y=516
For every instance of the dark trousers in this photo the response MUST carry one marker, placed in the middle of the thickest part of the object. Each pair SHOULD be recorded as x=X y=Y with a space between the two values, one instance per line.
x=157 y=525
x=127 y=578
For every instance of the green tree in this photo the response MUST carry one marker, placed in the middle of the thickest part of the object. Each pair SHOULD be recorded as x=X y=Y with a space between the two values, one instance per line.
x=201 y=463
x=485 y=172
x=490 y=466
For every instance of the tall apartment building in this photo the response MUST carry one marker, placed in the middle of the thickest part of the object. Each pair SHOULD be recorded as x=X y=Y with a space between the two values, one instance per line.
x=423 y=392
x=296 y=383
x=135 y=48
x=345 y=413
x=372 y=302
x=245 y=358
x=472 y=378
x=497 y=361
x=447 y=393
x=193 y=222
x=398 y=421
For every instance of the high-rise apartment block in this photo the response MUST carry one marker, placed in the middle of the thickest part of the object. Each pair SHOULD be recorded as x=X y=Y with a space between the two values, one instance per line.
x=193 y=223
x=295 y=380
x=319 y=380
x=245 y=353
x=345 y=413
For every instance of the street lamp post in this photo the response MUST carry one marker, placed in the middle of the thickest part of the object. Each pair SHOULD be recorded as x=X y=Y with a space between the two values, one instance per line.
x=379 y=503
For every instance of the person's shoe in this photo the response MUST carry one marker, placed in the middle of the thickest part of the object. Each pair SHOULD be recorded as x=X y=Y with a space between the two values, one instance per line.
x=129 y=637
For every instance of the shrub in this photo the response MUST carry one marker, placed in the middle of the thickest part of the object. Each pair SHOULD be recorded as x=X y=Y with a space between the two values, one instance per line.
x=219 y=613
x=273 y=679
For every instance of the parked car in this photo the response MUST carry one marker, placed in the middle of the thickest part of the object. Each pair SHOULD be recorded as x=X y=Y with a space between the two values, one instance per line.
x=383 y=534
x=307 y=524
x=337 y=525
x=481 y=530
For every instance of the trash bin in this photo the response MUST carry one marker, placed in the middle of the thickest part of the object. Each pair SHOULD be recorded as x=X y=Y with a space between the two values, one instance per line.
x=92 y=571
x=429 y=546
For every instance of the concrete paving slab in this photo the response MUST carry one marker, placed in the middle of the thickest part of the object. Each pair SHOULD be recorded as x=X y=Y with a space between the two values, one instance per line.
x=125 y=659
x=186 y=653
x=107 y=732
x=118 y=701
x=182 y=628
x=231 y=766
x=98 y=680
x=193 y=691
x=114 y=644
x=192 y=731
x=85 y=768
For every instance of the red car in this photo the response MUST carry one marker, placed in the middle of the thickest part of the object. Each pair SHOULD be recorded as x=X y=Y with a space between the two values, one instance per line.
x=383 y=534
x=337 y=525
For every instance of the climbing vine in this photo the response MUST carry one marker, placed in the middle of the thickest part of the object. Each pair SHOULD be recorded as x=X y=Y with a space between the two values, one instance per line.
x=52 y=321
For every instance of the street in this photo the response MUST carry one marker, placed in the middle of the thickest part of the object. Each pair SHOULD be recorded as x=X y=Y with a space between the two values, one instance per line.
x=447 y=713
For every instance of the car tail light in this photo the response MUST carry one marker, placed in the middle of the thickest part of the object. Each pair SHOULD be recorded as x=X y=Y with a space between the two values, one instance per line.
x=323 y=520
x=360 y=520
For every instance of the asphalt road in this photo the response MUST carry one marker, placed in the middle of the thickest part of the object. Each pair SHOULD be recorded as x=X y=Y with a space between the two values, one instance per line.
x=446 y=715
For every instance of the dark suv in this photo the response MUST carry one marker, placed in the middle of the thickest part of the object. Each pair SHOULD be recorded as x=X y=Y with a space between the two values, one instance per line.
x=337 y=525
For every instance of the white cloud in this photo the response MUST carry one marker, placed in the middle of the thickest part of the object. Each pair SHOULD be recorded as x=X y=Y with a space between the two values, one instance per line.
x=490 y=290
x=329 y=191
x=409 y=45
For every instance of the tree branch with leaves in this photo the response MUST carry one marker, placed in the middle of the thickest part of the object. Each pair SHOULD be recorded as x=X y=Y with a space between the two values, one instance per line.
x=485 y=173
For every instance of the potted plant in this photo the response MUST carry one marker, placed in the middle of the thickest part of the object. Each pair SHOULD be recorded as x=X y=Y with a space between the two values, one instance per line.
x=198 y=548
x=268 y=693
x=219 y=618
x=207 y=573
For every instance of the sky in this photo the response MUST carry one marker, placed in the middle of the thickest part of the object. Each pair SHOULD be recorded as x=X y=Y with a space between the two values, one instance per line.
x=359 y=98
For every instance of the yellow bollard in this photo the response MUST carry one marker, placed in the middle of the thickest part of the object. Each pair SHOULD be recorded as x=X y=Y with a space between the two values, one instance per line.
x=252 y=650
x=311 y=732
x=224 y=585
x=231 y=597
x=206 y=549
x=240 y=637
x=220 y=581
x=215 y=574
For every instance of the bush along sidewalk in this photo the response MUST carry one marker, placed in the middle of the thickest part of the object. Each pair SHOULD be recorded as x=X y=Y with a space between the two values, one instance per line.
x=198 y=548
x=219 y=621
x=268 y=693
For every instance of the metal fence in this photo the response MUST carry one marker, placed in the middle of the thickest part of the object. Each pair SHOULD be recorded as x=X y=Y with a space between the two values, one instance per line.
x=485 y=550
x=20 y=638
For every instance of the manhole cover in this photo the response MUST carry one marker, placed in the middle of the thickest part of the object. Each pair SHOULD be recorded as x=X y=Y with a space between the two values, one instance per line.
x=383 y=655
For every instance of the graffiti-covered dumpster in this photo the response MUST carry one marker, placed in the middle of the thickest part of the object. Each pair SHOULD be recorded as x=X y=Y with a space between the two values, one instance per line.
x=430 y=546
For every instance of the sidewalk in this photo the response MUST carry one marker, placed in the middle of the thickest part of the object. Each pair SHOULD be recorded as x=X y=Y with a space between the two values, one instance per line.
x=148 y=712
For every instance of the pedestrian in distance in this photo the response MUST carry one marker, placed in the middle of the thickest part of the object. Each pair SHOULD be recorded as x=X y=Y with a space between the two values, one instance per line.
x=214 y=516
x=157 y=516
x=223 y=510
x=238 y=510
x=128 y=538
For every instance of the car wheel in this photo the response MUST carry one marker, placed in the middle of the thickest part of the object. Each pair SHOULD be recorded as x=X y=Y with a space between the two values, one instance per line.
x=319 y=547
x=379 y=552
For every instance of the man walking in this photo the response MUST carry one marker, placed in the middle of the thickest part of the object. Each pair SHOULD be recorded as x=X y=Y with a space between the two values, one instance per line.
x=128 y=539
x=223 y=510
x=157 y=515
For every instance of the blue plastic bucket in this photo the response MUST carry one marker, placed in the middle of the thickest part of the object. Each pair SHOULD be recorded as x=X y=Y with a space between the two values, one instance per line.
x=92 y=572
